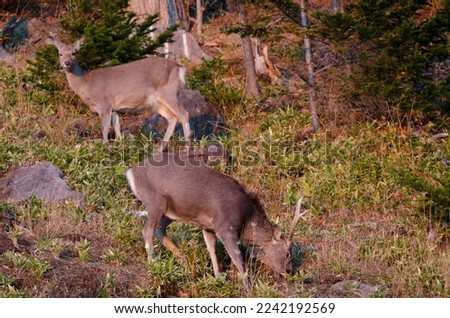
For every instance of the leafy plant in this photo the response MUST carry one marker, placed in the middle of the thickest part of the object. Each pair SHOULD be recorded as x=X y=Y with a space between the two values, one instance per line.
x=83 y=247
x=115 y=256
x=28 y=264
x=108 y=287
x=9 y=288
x=166 y=275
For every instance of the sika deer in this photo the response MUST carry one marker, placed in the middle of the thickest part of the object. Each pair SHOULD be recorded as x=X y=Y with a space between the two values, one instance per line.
x=176 y=187
x=151 y=83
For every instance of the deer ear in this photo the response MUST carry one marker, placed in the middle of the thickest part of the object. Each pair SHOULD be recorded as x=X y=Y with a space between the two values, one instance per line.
x=277 y=235
x=53 y=40
x=79 y=43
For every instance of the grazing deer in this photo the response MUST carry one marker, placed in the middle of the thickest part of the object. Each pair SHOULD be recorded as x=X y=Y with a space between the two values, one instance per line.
x=176 y=187
x=151 y=83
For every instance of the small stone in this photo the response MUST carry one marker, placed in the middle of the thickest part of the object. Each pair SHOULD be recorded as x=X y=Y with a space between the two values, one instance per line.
x=354 y=287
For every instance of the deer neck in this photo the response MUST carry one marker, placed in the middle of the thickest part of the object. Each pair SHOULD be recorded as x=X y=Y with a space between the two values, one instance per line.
x=76 y=78
x=257 y=231
x=77 y=71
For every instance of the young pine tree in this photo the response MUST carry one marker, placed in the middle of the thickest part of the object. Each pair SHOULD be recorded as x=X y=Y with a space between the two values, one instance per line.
x=113 y=34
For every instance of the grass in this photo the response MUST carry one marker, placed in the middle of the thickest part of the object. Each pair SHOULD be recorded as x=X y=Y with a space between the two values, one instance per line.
x=368 y=219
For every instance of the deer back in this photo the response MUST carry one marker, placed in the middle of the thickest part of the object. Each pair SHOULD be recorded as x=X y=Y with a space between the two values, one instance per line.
x=193 y=190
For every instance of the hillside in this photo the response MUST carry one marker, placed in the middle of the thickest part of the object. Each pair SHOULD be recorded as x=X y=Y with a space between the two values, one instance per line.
x=374 y=181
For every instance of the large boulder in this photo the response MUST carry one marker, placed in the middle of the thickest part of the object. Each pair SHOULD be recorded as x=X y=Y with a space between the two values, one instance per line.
x=182 y=44
x=185 y=44
x=43 y=180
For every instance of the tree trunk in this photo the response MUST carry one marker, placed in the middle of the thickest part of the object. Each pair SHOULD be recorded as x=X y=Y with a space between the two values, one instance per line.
x=310 y=68
x=144 y=8
x=199 y=10
x=251 y=80
x=172 y=13
x=183 y=13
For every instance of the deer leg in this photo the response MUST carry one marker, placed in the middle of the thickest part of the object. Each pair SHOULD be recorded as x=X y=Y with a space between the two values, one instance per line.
x=210 y=240
x=161 y=235
x=186 y=131
x=231 y=242
x=183 y=118
x=172 y=121
x=105 y=119
x=115 y=123
x=155 y=212
x=170 y=103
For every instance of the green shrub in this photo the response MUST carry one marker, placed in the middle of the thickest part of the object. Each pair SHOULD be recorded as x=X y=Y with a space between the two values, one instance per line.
x=402 y=58
x=436 y=200
x=113 y=34
x=209 y=80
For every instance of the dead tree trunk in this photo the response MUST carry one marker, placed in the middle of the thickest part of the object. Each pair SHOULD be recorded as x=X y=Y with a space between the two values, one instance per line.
x=144 y=8
x=183 y=13
x=310 y=68
x=251 y=80
x=199 y=16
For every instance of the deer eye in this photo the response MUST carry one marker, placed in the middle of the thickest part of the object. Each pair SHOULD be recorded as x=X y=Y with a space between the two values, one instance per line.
x=288 y=255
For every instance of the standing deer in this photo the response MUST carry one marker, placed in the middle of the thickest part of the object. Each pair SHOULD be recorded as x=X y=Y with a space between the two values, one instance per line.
x=176 y=187
x=151 y=83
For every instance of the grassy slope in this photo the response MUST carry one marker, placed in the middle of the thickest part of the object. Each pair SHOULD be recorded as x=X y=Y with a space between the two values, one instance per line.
x=364 y=223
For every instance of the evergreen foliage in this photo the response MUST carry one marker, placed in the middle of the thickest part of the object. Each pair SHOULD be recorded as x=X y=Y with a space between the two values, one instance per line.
x=113 y=34
x=290 y=9
x=43 y=69
x=402 y=56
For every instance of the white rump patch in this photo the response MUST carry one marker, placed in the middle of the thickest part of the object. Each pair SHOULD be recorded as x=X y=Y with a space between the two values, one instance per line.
x=130 y=178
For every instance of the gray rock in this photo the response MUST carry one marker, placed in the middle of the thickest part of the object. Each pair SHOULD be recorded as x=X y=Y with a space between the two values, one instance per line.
x=184 y=44
x=353 y=288
x=43 y=180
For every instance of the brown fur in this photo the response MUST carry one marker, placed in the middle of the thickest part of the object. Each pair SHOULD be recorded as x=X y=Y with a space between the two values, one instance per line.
x=176 y=187
x=151 y=83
